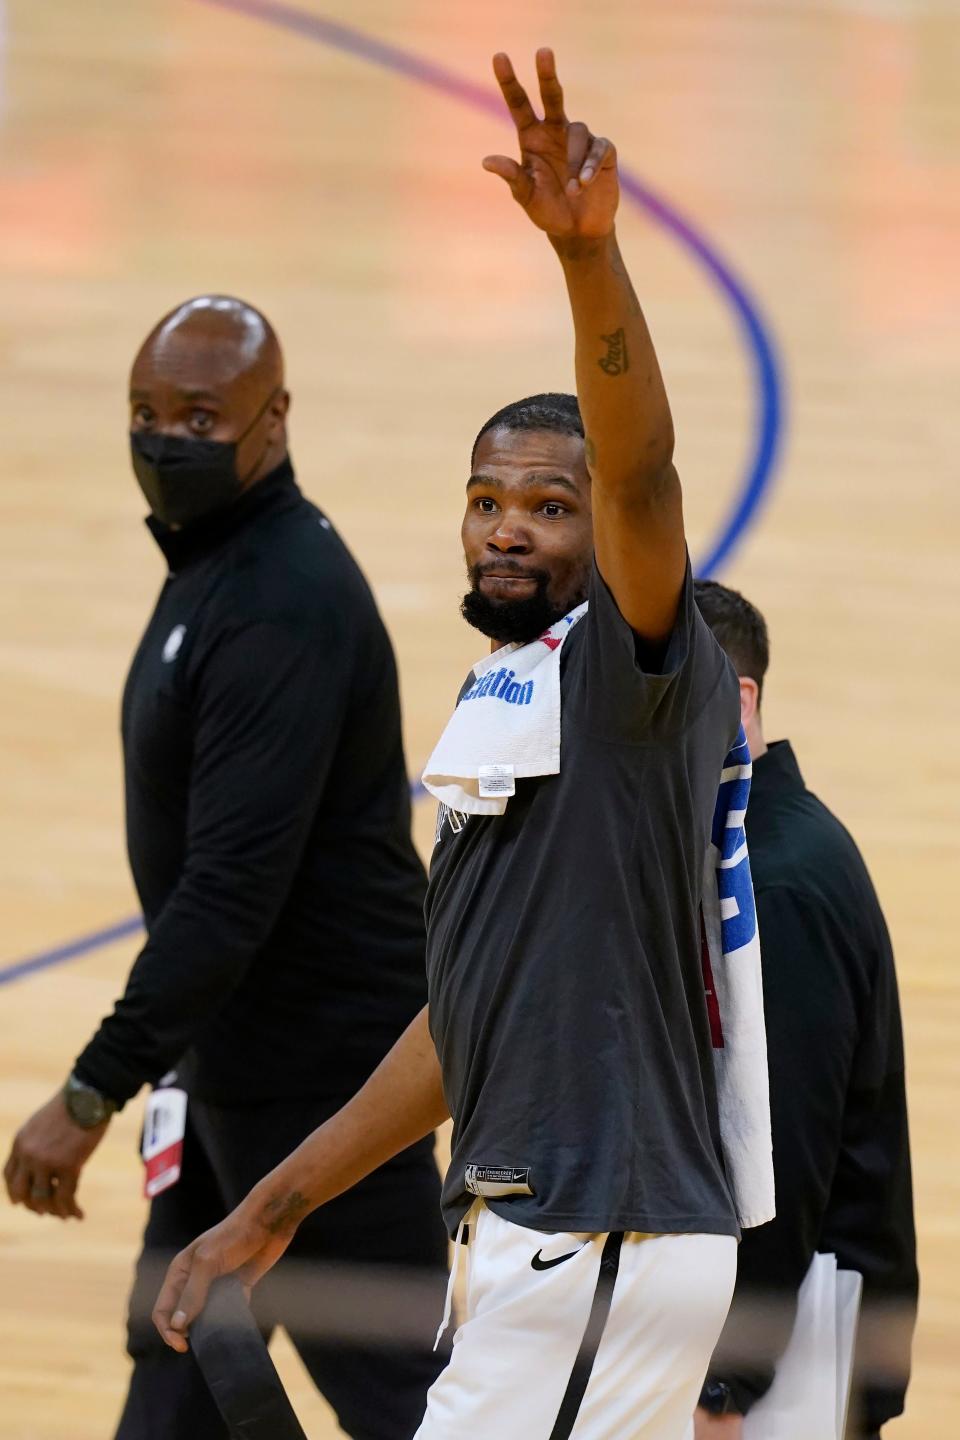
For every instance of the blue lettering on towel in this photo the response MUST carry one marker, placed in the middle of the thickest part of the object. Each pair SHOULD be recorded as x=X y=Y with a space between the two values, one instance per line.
x=501 y=685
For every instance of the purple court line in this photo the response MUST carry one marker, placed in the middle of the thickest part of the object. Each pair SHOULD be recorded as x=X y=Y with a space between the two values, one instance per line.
x=758 y=339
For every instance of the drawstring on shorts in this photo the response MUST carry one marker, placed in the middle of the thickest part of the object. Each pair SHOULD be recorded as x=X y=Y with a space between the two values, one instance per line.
x=454 y=1270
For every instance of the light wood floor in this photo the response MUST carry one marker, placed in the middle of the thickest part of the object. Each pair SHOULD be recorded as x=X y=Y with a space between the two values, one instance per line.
x=150 y=151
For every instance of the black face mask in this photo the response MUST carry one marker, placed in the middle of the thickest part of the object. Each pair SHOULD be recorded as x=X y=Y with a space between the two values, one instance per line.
x=184 y=478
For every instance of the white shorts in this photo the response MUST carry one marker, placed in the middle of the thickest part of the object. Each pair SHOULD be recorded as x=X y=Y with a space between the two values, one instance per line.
x=595 y=1337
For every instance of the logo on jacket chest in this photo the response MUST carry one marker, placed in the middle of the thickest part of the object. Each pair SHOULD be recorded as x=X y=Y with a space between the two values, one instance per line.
x=171 y=646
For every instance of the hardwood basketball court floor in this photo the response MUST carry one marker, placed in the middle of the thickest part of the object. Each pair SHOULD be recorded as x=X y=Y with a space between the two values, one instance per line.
x=792 y=230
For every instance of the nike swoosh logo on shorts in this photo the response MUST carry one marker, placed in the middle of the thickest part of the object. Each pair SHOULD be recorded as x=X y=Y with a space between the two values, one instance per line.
x=537 y=1264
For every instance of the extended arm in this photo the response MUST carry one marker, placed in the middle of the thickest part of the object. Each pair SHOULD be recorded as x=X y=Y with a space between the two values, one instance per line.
x=637 y=510
x=566 y=181
x=400 y=1103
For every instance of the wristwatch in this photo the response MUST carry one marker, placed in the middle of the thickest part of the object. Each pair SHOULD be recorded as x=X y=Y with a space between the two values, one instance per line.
x=716 y=1398
x=85 y=1105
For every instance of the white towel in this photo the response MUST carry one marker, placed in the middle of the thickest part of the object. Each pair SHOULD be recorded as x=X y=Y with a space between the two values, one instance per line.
x=506 y=726
x=734 y=986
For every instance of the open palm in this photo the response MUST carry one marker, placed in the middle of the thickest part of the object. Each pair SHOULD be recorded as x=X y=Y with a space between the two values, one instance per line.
x=566 y=178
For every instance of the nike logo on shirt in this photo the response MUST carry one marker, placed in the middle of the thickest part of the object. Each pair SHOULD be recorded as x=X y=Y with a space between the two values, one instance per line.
x=538 y=1264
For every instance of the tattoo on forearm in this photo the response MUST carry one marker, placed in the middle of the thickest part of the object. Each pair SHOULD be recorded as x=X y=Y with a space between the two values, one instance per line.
x=620 y=270
x=285 y=1211
x=590 y=450
x=616 y=361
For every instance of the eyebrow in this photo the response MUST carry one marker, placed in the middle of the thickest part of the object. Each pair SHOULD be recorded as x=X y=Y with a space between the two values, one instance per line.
x=530 y=482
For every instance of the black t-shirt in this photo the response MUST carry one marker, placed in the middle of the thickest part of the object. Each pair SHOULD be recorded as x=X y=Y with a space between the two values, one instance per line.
x=268 y=818
x=563 y=951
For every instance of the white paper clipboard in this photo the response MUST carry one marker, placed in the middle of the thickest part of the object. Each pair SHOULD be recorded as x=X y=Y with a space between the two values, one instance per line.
x=849 y=1295
x=810 y=1394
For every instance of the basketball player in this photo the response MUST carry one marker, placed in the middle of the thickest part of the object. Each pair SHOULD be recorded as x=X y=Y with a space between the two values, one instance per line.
x=268 y=828
x=841 y=1148
x=567 y=1032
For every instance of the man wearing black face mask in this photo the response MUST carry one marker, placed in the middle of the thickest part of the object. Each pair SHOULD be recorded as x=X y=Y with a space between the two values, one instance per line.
x=269 y=837
x=184 y=479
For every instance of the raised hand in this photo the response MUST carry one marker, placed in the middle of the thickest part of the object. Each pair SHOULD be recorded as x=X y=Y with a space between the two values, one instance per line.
x=566 y=178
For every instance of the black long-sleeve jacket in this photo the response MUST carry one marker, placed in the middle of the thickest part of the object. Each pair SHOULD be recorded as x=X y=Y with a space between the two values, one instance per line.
x=268 y=818
x=838 y=1106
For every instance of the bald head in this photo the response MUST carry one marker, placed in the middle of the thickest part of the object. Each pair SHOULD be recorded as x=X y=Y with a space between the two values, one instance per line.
x=213 y=370
x=224 y=337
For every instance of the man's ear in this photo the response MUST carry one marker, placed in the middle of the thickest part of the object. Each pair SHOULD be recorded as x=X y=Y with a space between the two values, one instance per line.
x=277 y=414
x=749 y=701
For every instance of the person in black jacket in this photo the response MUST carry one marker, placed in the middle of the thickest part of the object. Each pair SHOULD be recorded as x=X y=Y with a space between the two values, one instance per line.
x=840 y=1143
x=268 y=830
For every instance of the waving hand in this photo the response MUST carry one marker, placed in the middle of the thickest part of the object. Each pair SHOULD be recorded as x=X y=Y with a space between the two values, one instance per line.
x=566 y=178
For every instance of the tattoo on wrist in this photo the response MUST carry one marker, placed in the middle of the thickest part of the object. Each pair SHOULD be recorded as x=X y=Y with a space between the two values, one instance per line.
x=616 y=361
x=285 y=1212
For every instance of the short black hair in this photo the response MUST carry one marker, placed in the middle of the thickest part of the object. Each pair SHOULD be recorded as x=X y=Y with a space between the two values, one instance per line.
x=739 y=627
x=552 y=411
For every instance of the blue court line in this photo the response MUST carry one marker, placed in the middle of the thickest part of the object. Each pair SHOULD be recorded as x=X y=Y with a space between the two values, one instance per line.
x=71 y=950
x=761 y=348
x=97 y=939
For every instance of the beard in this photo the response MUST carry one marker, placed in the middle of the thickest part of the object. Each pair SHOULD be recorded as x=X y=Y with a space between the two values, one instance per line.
x=513 y=621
